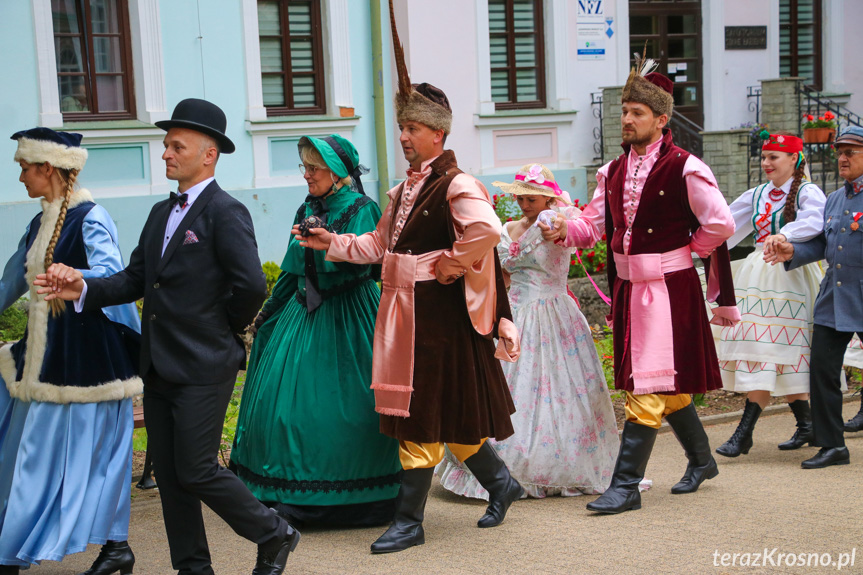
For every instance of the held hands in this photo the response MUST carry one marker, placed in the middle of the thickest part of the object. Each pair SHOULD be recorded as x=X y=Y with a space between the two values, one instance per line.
x=318 y=238
x=60 y=281
x=777 y=249
x=556 y=231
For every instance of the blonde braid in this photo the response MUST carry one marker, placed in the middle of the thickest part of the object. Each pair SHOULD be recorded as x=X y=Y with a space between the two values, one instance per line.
x=68 y=177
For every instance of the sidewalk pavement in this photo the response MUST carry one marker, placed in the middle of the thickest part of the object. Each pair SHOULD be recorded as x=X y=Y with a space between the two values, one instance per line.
x=760 y=501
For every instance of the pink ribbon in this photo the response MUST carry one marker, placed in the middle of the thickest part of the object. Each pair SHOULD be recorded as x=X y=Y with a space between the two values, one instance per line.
x=547 y=183
x=651 y=339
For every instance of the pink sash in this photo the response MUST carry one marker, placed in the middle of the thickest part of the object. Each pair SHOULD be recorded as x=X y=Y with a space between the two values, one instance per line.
x=651 y=341
x=393 y=352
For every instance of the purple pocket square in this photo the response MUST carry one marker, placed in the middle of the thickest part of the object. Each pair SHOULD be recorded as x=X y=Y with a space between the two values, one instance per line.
x=191 y=238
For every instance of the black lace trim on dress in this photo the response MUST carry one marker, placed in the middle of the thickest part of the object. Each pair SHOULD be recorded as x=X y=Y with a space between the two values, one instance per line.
x=349 y=213
x=336 y=290
x=316 y=485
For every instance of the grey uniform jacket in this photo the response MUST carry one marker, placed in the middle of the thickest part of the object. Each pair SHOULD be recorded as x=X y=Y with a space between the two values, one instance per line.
x=840 y=300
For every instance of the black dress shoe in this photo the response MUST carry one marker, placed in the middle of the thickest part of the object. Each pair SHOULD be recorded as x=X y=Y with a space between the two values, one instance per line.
x=273 y=555
x=115 y=557
x=856 y=422
x=826 y=457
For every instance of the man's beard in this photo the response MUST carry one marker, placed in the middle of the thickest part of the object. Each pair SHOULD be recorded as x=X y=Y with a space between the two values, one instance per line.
x=633 y=139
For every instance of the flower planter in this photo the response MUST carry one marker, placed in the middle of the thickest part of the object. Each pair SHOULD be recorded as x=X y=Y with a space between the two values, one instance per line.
x=818 y=135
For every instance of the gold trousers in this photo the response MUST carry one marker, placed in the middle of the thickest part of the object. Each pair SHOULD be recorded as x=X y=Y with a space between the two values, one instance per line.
x=649 y=409
x=425 y=455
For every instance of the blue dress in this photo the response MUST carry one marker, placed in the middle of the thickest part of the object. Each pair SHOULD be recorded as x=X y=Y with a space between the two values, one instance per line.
x=66 y=399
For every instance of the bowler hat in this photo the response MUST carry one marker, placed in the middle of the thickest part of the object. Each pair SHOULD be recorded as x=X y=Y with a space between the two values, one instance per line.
x=201 y=116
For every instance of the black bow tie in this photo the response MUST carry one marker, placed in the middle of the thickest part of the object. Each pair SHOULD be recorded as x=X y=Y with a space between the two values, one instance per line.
x=181 y=199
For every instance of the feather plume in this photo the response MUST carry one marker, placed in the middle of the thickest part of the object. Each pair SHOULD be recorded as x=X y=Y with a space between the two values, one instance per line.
x=404 y=85
x=643 y=64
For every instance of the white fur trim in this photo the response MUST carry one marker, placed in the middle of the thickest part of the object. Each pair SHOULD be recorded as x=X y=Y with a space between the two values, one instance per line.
x=34 y=390
x=60 y=156
x=29 y=387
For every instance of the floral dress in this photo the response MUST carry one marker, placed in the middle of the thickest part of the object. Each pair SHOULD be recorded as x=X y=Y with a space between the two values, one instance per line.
x=565 y=438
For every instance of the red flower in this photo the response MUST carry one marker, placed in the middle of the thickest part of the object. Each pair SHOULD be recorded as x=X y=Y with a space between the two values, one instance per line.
x=509 y=219
x=576 y=202
x=604 y=238
x=828 y=115
x=590 y=254
x=600 y=266
x=810 y=117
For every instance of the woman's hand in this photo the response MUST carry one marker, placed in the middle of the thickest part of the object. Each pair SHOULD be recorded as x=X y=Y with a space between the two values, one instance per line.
x=779 y=252
x=318 y=238
x=555 y=232
x=60 y=281
x=770 y=242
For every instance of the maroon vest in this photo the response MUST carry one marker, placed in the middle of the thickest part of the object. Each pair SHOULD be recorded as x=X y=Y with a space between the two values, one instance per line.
x=664 y=220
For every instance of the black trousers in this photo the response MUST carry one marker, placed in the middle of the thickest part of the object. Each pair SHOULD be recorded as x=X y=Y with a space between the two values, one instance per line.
x=828 y=353
x=184 y=430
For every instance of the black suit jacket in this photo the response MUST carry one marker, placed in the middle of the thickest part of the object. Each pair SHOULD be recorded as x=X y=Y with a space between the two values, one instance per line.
x=197 y=297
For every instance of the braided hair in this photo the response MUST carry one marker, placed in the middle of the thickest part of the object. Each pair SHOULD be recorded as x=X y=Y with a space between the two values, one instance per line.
x=790 y=210
x=68 y=177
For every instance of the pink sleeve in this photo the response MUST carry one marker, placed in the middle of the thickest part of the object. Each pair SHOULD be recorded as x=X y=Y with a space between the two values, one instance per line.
x=368 y=248
x=477 y=225
x=586 y=230
x=709 y=206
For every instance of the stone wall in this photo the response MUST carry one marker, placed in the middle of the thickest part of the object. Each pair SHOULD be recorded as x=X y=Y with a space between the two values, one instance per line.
x=610 y=123
x=726 y=153
x=592 y=306
x=780 y=104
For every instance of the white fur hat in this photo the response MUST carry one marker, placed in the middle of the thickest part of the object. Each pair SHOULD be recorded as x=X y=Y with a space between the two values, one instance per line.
x=41 y=145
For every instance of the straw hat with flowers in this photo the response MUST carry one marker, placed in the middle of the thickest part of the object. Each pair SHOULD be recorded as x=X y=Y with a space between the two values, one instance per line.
x=535 y=180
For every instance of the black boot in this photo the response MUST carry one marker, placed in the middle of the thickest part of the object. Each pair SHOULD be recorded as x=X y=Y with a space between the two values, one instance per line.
x=803 y=435
x=636 y=444
x=407 y=528
x=741 y=439
x=856 y=422
x=688 y=429
x=273 y=554
x=9 y=570
x=115 y=556
x=493 y=474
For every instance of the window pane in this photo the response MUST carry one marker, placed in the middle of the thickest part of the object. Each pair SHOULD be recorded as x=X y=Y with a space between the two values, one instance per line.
x=499 y=87
x=304 y=92
x=682 y=24
x=106 y=54
x=65 y=17
x=524 y=17
x=496 y=16
x=109 y=91
x=302 y=58
x=498 y=52
x=299 y=19
x=682 y=48
x=274 y=91
x=68 y=53
x=643 y=25
x=525 y=86
x=103 y=15
x=525 y=50
x=271 y=55
x=73 y=94
x=269 y=23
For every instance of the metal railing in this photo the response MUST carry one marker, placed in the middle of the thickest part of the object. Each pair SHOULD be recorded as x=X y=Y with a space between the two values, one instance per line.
x=812 y=102
x=687 y=134
x=599 y=140
x=753 y=94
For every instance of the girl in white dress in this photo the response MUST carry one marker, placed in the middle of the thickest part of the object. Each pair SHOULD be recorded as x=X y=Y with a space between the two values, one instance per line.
x=565 y=439
x=767 y=353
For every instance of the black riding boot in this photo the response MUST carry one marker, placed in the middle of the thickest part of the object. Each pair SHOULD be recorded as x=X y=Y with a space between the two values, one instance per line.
x=115 y=556
x=688 y=429
x=804 y=434
x=636 y=444
x=493 y=474
x=407 y=528
x=856 y=422
x=741 y=439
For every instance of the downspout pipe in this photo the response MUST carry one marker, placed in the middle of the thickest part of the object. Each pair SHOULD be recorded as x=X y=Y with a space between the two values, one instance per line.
x=380 y=104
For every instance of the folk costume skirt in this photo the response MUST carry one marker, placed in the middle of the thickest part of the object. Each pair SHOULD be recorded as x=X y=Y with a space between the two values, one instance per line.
x=769 y=349
x=65 y=477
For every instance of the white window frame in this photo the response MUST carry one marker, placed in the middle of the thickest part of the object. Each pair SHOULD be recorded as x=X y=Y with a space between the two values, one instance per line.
x=339 y=93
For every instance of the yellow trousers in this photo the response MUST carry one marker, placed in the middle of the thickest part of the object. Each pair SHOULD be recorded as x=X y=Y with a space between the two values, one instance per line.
x=425 y=455
x=649 y=409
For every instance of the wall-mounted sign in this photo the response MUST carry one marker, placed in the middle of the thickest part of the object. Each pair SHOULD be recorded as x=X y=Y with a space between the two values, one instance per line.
x=746 y=37
x=592 y=28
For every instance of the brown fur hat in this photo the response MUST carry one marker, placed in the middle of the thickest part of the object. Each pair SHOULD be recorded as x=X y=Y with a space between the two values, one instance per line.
x=421 y=103
x=649 y=88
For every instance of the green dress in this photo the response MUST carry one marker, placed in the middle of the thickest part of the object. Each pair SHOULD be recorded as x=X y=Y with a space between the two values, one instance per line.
x=307 y=434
